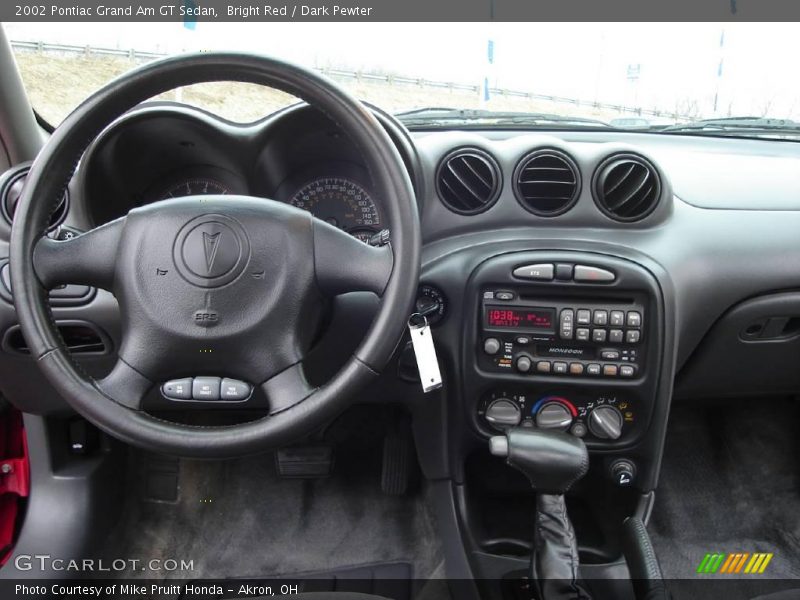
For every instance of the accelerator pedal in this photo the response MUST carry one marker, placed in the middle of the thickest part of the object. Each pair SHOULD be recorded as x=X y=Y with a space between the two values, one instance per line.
x=399 y=468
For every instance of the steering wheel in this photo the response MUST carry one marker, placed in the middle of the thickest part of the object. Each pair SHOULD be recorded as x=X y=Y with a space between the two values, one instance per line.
x=224 y=286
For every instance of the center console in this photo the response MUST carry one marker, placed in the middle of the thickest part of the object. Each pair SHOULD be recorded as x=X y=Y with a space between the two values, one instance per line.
x=564 y=341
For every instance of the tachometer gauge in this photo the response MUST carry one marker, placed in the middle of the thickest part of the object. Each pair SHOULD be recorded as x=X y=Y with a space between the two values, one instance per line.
x=197 y=186
x=342 y=203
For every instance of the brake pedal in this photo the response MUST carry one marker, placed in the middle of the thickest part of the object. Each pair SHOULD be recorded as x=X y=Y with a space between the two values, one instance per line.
x=304 y=462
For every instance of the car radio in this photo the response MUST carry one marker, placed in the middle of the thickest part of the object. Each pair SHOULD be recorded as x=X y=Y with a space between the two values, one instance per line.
x=561 y=336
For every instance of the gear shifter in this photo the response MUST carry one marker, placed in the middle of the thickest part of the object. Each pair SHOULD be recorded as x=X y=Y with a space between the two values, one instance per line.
x=552 y=461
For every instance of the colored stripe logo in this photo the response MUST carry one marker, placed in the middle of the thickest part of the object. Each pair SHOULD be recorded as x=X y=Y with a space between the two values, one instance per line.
x=735 y=563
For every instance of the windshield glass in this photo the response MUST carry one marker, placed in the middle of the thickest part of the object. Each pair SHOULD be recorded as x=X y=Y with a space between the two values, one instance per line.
x=635 y=76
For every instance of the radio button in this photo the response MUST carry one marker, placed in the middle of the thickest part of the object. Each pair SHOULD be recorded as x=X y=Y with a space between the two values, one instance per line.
x=601 y=317
x=609 y=354
x=543 y=366
x=610 y=370
x=593 y=369
x=566 y=322
x=599 y=335
x=523 y=340
x=627 y=370
x=560 y=368
x=584 y=316
x=632 y=336
x=582 y=334
x=634 y=319
x=617 y=318
x=491 y=346
x=524 y=364
x=615 y=336
x=539 y=271
x=575 y=368
x=504 y=295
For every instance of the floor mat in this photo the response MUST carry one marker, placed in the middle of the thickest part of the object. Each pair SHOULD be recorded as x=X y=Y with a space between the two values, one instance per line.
x=237 y=518
x=730 y=482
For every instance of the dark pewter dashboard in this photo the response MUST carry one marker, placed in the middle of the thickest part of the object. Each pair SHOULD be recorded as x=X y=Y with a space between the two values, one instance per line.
x=563 y=271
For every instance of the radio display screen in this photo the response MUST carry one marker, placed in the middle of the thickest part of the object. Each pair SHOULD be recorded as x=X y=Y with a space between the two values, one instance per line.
x=520 y=318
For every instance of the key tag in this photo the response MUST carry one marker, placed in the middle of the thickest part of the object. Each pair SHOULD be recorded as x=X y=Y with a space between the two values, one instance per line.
x=427 y=363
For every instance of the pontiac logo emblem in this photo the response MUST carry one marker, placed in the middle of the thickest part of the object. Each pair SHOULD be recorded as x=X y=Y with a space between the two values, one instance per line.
x=210 y=251
x=210 y=247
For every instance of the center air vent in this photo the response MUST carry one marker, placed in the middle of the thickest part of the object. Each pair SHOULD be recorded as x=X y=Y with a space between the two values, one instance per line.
x=547 y=182
x=627 y=187
x=468 y=181
x=11 y=184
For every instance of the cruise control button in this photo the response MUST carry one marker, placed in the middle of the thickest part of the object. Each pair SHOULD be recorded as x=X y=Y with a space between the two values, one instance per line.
x=632 y=336
x=599 y=335
x=615 y=336
x=627 y=370
x=610 y=370
x=544 y=271
x=592 y=274
x=617 y=318
x=593 y=369
x=634 y=319
x=560 y=367
x=178 y=389
x=233 y=389
x=543 y=366
x=205 y=388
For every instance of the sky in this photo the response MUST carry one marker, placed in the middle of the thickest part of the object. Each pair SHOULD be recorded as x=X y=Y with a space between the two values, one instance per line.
x=678 y=62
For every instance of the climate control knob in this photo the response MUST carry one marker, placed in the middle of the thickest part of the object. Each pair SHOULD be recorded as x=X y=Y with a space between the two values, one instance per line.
x=554 y=415
x=503 y=413
x=605 y=422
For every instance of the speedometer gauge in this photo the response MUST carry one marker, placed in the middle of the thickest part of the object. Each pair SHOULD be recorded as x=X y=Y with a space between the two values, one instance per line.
x=342 y=203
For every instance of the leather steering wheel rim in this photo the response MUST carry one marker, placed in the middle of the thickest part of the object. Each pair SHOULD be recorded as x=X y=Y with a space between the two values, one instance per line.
x=51 y=173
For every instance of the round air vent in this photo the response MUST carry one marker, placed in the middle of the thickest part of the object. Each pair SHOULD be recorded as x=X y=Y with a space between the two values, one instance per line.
x=627 y=187
x=11 y=184
x=547 y=182
x=468 y=181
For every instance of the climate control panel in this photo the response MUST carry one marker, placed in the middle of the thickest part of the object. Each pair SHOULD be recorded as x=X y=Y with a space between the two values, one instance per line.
x=606 y=416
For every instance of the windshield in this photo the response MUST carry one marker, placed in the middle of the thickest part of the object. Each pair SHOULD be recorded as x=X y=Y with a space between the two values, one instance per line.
x=635 y=76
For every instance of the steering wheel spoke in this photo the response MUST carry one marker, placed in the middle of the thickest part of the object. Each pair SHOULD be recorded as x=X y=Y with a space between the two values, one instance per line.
x=88 y=259
x=345 y=264
x=125 y=385
x=287 y=388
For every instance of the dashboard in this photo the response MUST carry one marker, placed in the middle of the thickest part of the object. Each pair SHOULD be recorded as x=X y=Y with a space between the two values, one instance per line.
x=300 y=158
x=580 y=281
x=579 y=267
